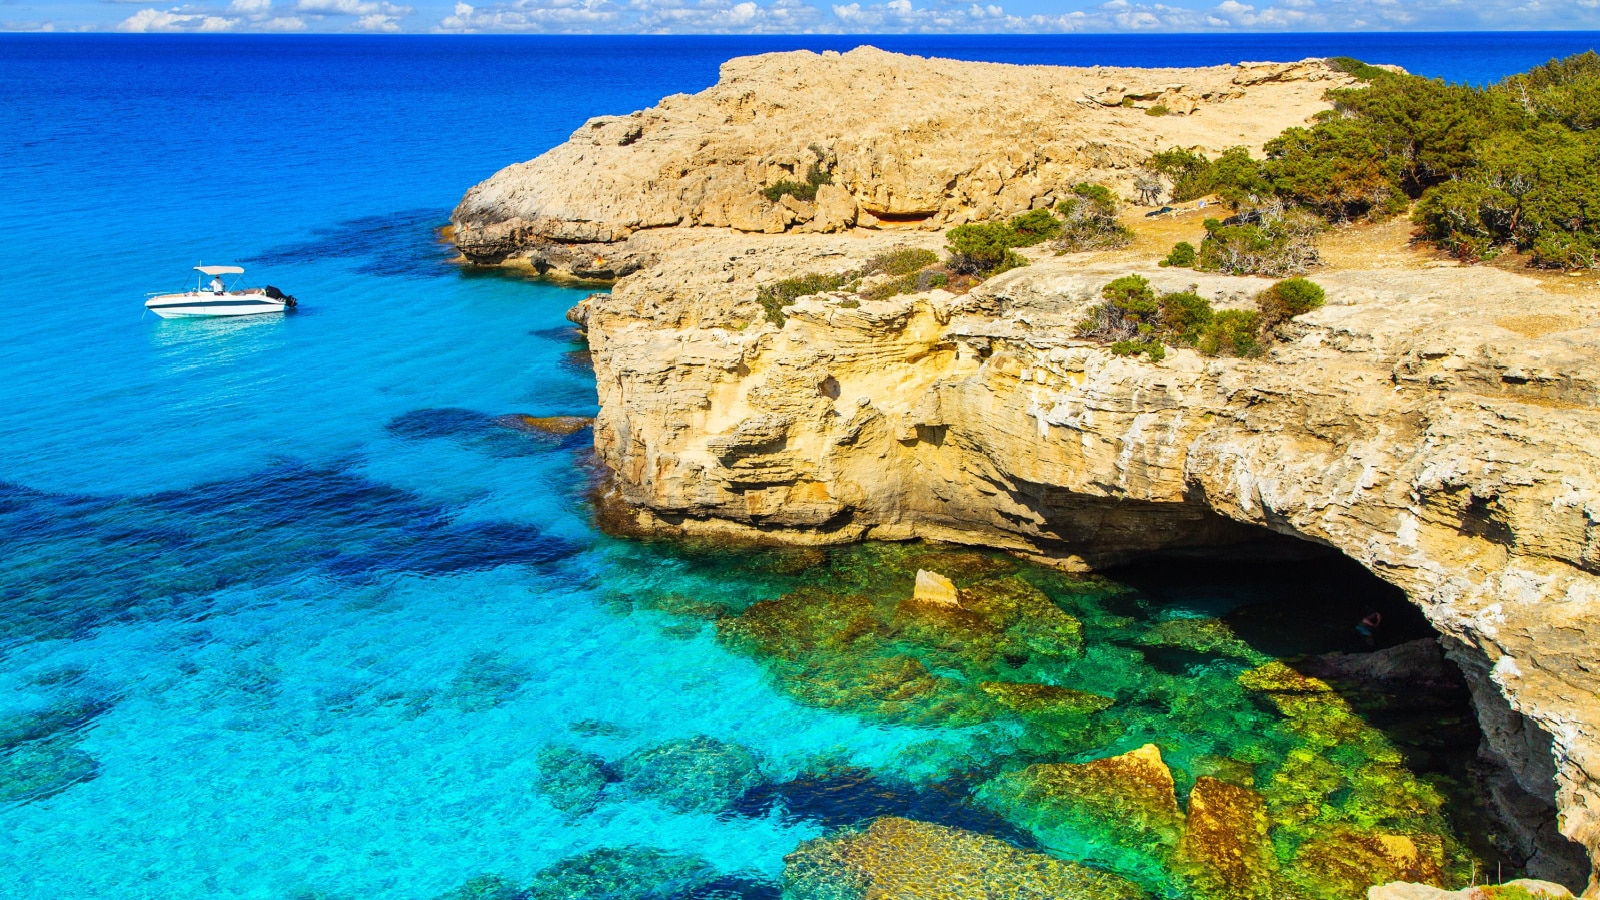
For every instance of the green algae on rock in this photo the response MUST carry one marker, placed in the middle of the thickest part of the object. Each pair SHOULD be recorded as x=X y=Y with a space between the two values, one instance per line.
x=573 y=781
x=1045 y=699
x=613 y=873
x=40 y=769
x=902 y=858
x=1119 y=810
x=485 y=887
x=1201 y=636
x=692 y=774
x=1032 y=680
x=1225 y=849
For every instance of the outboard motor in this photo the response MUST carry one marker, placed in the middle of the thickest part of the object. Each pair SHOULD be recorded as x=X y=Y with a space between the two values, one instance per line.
x=276 y=294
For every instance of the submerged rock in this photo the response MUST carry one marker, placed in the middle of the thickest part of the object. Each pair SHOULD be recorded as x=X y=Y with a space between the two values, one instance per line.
x=485 y=681
x=621 y=873
x=1209 y=636
x=1045 y=699
x=573 y=781
x=698 y=774
x=560 y=426
x=935 y=589
x=1347 y=863
x=901 y=858
x=1127 y=801
x=1225 y=846
x=41 y=769
x=485 y=887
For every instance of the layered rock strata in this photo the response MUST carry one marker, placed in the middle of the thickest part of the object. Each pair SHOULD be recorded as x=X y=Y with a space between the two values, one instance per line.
x=1437 y=425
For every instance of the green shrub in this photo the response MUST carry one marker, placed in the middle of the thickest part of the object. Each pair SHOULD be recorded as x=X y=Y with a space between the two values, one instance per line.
x=1098 y=198
x=1034 y=227
x=1159 y=109
x=1466 y=217
x=905 y=261
x=1537 y=190
x=1338 y=169
x=1564 y=91
x=980 y=248
x=1129 y=305
x=816 y=176
x=1091 y=220
x=1289 y=298
x=1183 y=315
x=1231 y=332
x=985 y=248
x=774 y=297
x=1133 y=348
x=1133 y=319
x=1352 y=66
x=1514 y=164
x=1182 y=256
x=1189 y=172
x=1274 y=245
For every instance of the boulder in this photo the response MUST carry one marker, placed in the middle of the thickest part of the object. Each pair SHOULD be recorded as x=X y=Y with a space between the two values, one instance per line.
x=935 y=589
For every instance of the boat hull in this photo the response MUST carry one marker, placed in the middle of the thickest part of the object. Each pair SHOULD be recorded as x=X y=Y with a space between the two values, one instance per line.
x=192 y=305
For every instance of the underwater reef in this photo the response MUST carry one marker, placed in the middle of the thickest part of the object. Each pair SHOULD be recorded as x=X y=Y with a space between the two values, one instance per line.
x=1094 y=742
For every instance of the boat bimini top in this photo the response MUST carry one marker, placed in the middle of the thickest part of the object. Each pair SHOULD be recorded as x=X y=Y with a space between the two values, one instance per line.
x=219 y=270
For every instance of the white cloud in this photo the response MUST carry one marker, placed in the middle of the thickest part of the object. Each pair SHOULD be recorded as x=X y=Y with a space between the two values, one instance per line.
x=863 y=16
x=363 y=8
x=151 y=20
x=535 y=15
x=378 y=22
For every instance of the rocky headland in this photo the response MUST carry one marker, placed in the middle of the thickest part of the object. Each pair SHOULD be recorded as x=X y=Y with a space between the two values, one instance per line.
x=1435 y=423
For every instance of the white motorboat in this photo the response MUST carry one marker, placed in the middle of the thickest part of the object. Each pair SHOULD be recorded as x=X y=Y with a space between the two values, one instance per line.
x=219 y=298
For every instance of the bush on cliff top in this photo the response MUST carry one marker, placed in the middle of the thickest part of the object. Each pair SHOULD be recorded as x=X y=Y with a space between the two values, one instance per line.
x=908 y=266
x=1269 y=242
x=1134 y=319
x=1514 y=165
x=1088 y=221
x=1090 y=216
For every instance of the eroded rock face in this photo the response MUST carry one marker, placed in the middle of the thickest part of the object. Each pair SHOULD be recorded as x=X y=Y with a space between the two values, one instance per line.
x=1422 y=423
x=907 y=141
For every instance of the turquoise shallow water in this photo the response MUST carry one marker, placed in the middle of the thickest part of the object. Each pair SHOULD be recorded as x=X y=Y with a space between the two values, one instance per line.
x=285 y=611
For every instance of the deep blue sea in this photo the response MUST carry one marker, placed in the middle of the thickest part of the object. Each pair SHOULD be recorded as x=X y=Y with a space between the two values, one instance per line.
x=284 y=611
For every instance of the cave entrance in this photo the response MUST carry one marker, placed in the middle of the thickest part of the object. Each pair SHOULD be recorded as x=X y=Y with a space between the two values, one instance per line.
x=902 y=219
x=1399 y=680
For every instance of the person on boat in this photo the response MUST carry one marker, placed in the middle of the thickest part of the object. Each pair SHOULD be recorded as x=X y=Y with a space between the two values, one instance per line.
x=1368 y=629
x=216 y=284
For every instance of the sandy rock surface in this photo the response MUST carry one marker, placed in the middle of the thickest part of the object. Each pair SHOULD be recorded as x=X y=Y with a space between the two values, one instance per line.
x=910 y=142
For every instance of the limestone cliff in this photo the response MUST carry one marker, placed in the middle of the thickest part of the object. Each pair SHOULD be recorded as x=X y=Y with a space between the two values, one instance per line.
x=1437 y=424
x=905 y=140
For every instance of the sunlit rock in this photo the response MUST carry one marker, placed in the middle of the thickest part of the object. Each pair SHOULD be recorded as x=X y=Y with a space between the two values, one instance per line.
x=1225 y=845
x=935 y=589
x=900 y=858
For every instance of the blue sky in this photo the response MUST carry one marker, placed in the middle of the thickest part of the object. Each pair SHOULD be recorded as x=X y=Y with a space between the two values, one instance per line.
x=794 y=16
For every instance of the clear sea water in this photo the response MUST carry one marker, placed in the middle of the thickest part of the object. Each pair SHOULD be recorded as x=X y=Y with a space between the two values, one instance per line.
x=283 y=611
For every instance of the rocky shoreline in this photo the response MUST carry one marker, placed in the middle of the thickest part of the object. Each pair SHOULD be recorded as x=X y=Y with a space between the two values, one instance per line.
x=1435 y=423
